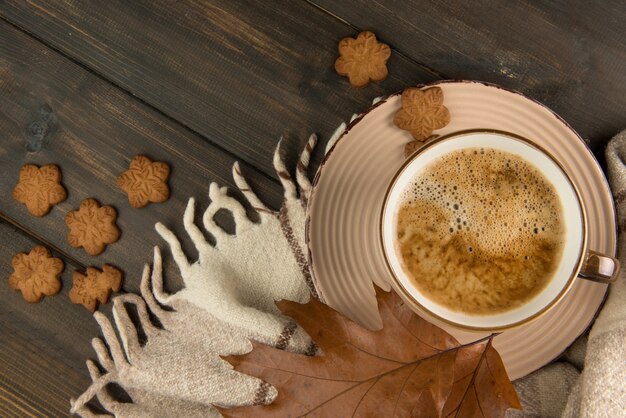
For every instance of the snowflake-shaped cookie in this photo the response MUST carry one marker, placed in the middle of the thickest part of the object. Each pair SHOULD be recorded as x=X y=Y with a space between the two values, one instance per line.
x=362 y=59
x=92 y=226
x=39 y=188
x=145 y=181
x=422 y=112
x=36 y=274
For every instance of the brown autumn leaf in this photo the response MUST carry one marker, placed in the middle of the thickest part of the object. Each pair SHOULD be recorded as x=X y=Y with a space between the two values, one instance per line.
x=409 y=368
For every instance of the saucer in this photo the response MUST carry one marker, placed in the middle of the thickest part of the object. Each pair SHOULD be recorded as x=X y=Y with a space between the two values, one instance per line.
x=345 y=251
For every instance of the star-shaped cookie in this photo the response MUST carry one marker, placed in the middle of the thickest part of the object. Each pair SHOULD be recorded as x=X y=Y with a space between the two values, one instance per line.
x=39 y=188
x=145 y=181
x=92 y=226
x=36 y=274
x=362 y=59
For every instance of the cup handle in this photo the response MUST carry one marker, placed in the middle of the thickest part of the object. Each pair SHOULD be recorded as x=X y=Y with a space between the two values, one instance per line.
x=599 y=268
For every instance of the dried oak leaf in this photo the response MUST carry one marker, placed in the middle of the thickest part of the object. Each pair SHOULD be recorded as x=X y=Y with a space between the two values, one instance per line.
x=422 y=112
x=39 y=188
x=145 y=181
x=362 y=59
x=36 y=274
x=95 y=286
x=92 y=226
x=408 y=368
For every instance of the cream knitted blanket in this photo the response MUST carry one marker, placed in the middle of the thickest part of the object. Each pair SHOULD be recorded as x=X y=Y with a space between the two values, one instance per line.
x=229 y=298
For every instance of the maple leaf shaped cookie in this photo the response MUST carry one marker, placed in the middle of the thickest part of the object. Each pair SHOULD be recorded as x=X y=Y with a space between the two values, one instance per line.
x=145 y=181
x=411 y=147
x=362 y=59
x=36 y=274
x=95 y=286
x=422 y=112
x=39 y=188
x=92 y=226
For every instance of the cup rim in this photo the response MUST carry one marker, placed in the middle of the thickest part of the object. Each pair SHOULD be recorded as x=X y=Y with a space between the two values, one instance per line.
x=397 y=285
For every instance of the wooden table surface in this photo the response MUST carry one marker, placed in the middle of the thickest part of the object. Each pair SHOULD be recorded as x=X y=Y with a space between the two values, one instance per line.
x=200 y=84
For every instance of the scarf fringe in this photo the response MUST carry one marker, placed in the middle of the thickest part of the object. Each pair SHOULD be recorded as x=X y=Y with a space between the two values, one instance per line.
x=116 y=354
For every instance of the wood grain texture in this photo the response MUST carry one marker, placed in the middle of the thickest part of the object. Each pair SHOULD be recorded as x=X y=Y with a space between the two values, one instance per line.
x=91 y=129
x=241 y=73
x=43 y=346
x=94 y=131
x=569 y=55
x=200 y=83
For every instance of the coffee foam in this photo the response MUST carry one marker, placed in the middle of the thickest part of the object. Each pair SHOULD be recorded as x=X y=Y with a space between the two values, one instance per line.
x=496 y=199
x=480 y=230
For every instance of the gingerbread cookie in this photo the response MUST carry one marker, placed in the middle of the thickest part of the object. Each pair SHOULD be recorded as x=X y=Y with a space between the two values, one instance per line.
x=414 y=145
x=362 y=59
x=39 y=188
x=145 y=181
x=422 y=112
x=95 y=286
x=92 y=226
x=36 y=274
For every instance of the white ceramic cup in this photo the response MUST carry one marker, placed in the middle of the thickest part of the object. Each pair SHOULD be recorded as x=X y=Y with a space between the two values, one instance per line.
x=576 y=259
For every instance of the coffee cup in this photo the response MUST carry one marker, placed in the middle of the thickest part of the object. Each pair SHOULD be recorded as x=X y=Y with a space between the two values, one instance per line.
x=480 y=290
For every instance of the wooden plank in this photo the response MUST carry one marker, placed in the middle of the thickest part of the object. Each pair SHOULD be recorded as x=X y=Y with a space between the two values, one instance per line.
x=241 y=73
x=90 y=129
x=94 y=131
x=569 y=55
x=43 y=346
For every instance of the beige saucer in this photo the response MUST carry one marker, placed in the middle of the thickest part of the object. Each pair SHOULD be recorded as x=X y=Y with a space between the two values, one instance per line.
x=344 y=213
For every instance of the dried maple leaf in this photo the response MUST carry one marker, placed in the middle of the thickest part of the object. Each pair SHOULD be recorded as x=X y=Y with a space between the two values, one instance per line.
x=408 y=368
x=39 y=188
x=145 y=181
x=95 y=286
x=422 y=112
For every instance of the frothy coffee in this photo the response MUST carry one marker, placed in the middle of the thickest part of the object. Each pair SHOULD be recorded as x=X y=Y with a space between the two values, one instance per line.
x=480 y=231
